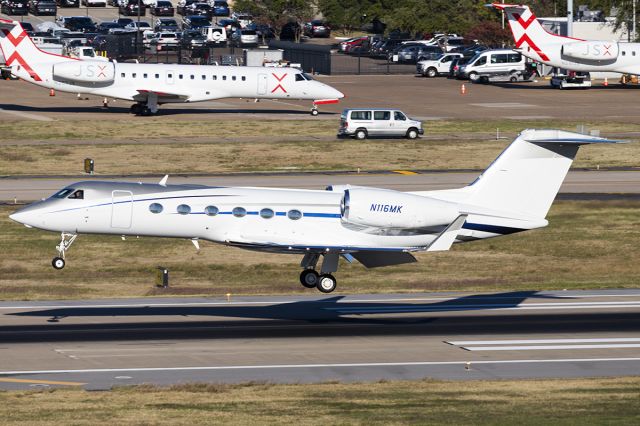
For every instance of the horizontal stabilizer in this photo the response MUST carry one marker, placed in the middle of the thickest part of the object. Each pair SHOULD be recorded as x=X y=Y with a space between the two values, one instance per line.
x=375 y=259
x=445 y=240
x=562 y=137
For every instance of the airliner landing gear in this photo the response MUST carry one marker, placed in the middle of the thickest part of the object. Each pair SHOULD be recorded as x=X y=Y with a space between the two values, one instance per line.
x=323 y=281
x=314 y=111
x=66 y=240
x=148 y=108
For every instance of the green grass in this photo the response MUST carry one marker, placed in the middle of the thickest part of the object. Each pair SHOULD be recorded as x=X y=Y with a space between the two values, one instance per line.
x=525 y=402
x=587 y=245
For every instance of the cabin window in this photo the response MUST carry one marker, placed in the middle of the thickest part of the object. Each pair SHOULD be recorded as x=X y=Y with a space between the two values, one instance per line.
x=180 y=76
x=158 y=76
x=78 y=195
x=211 y=210
x=144 y=75
x=239 y=211
x=266 y=213
x=169 y=75
x=133 y=75
x=294 y=214
x=183 y=209
x=122 y=74
x=233 y=77
x=204 y=77
x=624 y=53
x=155 y=208
x=244 y=78
x=192 y=76
x=633 y=53
x=215 y=77
x=224 y=77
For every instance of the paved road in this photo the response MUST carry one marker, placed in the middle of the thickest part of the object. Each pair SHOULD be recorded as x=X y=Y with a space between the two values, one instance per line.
x=577 y=182
x=101 y=343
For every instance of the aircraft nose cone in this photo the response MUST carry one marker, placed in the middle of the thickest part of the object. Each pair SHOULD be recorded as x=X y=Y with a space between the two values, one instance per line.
x=25 y=215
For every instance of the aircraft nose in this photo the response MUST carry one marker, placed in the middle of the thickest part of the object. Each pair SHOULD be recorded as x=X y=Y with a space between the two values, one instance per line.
x=26 y=215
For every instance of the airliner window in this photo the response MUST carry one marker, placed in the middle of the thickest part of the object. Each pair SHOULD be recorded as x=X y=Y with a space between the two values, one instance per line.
x=224 y=77
x=169 y=75
x=122 y=74
x=62 y=193
x=192 y=77
x=144 y=75
x=215 y=77
x=78 y=195
x=266 y=213
x=244 y=78
x=294 y=214
x=204 y=77
x=239 y=211
x=211 y=210
x=157 y=75
x=155 y=208
x=233 y=77
x=133 y=75
x=180 y=76
x=183 y=209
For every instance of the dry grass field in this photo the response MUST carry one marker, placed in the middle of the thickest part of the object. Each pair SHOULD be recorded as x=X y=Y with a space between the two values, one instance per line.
x=587 y=245
x=158 y=146
x=528 y=402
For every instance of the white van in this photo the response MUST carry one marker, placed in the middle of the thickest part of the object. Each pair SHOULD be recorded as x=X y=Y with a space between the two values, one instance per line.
x=214 y=34
x=364 y=122
x=499 y=61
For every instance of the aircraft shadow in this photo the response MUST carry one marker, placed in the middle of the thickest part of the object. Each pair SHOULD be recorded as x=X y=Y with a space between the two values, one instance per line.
x=163 y=110
x=322 y=317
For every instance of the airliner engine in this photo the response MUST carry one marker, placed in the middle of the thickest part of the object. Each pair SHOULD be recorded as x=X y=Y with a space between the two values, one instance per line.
x=591 y=50
x=392 y=209
x=85 y=71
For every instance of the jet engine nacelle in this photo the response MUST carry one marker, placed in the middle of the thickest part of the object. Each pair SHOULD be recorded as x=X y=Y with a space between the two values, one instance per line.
x=591 y=50
x=392 y=209
x=85 y=71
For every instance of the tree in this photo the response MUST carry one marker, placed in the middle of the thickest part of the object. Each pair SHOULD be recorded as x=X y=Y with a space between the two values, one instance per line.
x=276 y=13
x=489 y=33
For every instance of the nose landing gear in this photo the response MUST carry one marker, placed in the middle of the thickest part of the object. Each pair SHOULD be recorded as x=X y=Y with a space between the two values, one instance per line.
x=66 y=239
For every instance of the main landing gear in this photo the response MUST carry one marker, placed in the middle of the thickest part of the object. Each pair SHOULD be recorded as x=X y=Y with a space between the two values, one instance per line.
x=66 y=239
x=323 y=281
x=150 y=107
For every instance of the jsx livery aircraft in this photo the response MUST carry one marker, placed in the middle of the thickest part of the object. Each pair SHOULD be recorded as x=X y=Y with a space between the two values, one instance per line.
x=150 y=85
x=575 y=54
x=377 y=227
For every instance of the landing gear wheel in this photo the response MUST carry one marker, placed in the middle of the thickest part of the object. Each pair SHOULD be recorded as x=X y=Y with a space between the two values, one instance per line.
x=57 y=263
x=309 y=278
x=327 y=283
x=314 y=111
x=136 y=109
x=361 y=134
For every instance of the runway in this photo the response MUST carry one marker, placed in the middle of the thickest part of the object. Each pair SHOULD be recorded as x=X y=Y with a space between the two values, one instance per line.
x=98 y=344
x=25 y=189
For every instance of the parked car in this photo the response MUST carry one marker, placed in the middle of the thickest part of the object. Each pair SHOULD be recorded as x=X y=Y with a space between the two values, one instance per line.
x=290 y=31
x=381 y=50
x=162 y=8
x=264 y=31
x=192 y=38
x=220 y=8
x=198 y=8
x=138 y=26
x=131 y=9
x=195 y=22
x=362 y=123
x=107 y=27
x=15 y=7
x=456 y=64
x=166 y=24
x=412 y=53
x=28 y=28
x=348 y=44
x=43 y=7
x=244 y=37
x=214 y=35
x=244 y=19
x=493 y=61
x=80 y=23
x=230 y=25
x=95 y=3
x=437 y=66
x=317 y=28
x=123 y=21
x=164 y=41
x=68 y=3
x=182 y=4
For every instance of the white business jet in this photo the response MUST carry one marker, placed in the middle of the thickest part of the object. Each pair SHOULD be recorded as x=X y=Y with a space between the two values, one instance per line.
x=534 y=42
x=150 y=85
x=377 y=227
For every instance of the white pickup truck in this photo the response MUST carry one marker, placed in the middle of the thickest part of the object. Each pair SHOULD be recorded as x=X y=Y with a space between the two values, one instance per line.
x=438 y=66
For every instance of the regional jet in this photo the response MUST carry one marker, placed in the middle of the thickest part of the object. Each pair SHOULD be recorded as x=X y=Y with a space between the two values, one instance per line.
x=376 y=227
x=150 y=85
x=534 y=42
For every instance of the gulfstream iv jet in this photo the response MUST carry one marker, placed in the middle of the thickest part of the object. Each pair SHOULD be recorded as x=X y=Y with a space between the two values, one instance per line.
x=150 y=85
x=377 y=227
x=533 y=41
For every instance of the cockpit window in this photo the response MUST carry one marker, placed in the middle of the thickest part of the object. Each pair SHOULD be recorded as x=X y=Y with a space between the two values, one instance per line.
x=78 y=195
x=303 y=76
x=307 y=76
x=299 y=77
x=62 y=193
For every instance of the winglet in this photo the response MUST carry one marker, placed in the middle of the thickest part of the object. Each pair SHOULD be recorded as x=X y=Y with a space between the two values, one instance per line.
x=163 y=181
x=444 y=241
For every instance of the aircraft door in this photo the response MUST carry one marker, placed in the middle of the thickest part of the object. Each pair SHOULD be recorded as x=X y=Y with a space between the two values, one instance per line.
x=121 y=209
x=169 y=77
x=262 y=84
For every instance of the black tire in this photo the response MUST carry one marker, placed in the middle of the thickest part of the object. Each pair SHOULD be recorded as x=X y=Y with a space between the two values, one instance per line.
x=513 y=78
x=309 y=278
x=360 y=134
x=473 y=76
x=412 y=133
x=314 y=112
x=58 y=263
x=327 y=283
x=431 y=72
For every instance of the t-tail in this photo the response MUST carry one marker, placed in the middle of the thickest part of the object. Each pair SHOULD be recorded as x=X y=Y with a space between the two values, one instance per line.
x=531 y=38
x=26 y=60
x=526 y=177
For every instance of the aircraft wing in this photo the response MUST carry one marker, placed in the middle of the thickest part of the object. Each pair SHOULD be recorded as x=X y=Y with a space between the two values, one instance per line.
x=144 y=94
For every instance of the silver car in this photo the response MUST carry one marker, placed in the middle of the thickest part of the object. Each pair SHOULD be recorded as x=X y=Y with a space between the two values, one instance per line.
x=362 y=123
